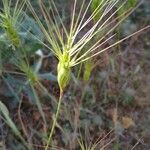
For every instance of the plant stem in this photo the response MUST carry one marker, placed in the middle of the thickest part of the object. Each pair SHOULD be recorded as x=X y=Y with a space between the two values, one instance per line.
x=1 y=67
x=55 y=120
x=38 y=103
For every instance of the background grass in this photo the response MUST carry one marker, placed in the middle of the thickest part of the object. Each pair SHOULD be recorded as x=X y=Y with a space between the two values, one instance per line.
x=116 y=97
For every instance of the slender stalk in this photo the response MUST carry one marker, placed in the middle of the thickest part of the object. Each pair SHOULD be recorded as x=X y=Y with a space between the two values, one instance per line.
x=38 y=103
x=79 y=71
x=55 y=120
x=1 y=66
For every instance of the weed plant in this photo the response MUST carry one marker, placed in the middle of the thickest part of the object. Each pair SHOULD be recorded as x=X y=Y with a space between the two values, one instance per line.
x=68 y=50
x=85 y=39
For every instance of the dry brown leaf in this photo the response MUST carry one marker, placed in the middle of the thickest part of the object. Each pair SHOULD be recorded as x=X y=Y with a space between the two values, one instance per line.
x=127 y=122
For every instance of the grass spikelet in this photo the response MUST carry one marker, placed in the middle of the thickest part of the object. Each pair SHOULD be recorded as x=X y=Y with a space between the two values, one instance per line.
x=10 y=19
x=63 y=70
x=67 y=42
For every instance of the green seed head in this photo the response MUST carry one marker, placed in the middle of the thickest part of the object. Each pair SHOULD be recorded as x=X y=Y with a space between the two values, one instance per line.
x=10 y=19
x=13 y=37
x=29 y=72
x=64 y=71
x=12 y=34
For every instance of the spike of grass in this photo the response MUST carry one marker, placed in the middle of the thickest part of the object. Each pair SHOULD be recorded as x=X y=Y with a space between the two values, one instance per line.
x=72 y=48
x=68 y=49
x=10 y=19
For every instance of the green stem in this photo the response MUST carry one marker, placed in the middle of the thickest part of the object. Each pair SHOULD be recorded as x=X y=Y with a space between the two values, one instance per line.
x=55 y=120
x=79 y=71
x=1 y=67
x=38 y=103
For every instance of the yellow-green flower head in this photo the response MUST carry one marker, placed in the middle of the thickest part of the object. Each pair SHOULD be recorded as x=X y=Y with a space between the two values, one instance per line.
x=10 y=19
x=75 y=46
x=64 y=71
x=12 y=35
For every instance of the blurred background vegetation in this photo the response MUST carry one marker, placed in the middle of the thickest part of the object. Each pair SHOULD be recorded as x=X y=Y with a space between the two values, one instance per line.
x=115 y=98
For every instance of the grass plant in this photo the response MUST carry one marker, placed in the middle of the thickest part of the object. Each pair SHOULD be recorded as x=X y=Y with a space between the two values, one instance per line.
x=84 y=145
x=6 y=117
x=10 y=20
x=65 y=44
x=85 y=38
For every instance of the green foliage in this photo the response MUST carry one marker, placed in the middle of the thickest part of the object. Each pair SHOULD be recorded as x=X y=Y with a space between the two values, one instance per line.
x=4 y=111
x=132 y=3
x=128 y=6
x=88 y=69
x=94 y=6
x=127 y=96
x=28 y=48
